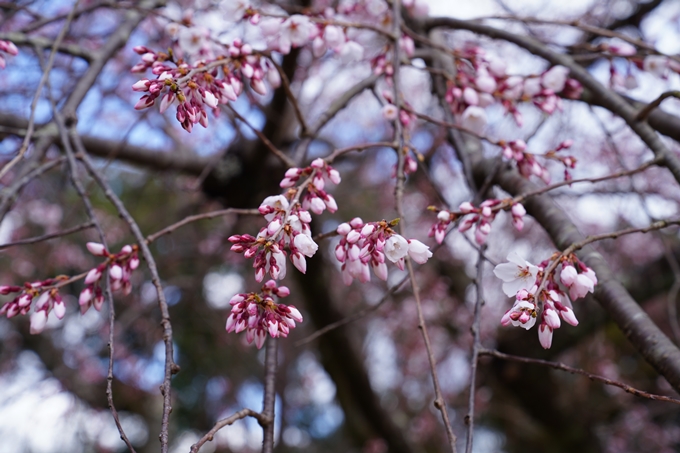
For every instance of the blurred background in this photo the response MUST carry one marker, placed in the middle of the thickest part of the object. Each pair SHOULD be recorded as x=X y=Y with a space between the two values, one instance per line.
x=364 y=387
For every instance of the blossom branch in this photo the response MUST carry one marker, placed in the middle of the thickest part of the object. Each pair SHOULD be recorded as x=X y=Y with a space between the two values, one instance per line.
x=607 y=98
x=642 y=332
x=593 y=377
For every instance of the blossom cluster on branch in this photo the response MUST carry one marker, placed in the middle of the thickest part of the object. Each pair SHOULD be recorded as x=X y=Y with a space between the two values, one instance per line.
x=258 y=314
x=546 y=290
x=44 y=295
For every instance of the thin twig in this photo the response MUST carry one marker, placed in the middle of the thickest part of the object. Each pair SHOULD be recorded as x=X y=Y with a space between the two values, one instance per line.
x=439 y=402
x=351 y=318
x=38 y=91
x=47 y=237
x=476 y=347
x=658 y=225
x=342 y=151
x=77 y=184
x=568 y=369
x=170 y=366
x=291 y=97
x=243 y=413
x=193 y=218
x=647 y=109
x=10 y=193
x=277 y=152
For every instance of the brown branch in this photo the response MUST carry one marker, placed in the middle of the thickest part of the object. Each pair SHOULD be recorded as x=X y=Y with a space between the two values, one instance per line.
x=170 y=366
x=47 y=237
x=277 y=152
x=358 y=315
x=593 y=377
x=476 y=348
x=645 y=111
x=342 y=151
x=243 y=413
x=439 y=402
x=193 y=218
x=77 y=184
x=269 y=398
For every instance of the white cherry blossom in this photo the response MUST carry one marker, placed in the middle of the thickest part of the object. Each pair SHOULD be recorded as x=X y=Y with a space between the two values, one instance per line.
x=517 y=274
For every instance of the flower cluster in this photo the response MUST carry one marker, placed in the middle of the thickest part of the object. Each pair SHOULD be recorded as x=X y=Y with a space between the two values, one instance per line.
x=657 y=65
x=365 y=246
x=120 y=266
x=528 y=165
x=481 y=81
x=7 y=47
x=479 y=217
x=201 y=86
x=288 y=220
x=522 y=280
x=257 y=314
x=46 y=295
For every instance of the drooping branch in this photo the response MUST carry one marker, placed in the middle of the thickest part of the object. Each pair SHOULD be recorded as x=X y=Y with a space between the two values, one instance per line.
x=170 y=366
x=593 y=377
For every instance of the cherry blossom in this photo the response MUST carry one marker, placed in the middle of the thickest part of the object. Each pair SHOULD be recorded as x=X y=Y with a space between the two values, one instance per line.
x=517 y=274
x=364 y=246
x=258 y=314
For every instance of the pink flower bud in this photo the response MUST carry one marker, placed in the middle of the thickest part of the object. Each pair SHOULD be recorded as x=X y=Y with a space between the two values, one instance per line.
x=295 y=313
x=141 y=85
x=466 y=207
x=116 y=272
x=85 y=297
x=568 y=275
x=93 y=276
x=96 y=249
x=38 y=321
x=545 y=334
x=24 y=300
x=356 y=222
x=569 y=316
x=258 y=86
x=334 y=176
x=59 y=309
